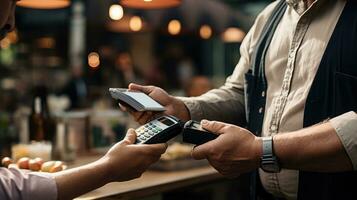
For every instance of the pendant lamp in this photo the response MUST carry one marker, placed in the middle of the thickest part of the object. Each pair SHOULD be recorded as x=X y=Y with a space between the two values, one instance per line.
x=44 y=4
x=150 y=4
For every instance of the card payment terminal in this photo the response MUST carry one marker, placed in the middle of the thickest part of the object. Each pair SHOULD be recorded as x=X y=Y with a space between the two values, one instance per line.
x=193 y=133
x=159 y=130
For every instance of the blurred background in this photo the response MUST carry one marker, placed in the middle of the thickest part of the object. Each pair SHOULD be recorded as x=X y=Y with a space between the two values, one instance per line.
x=61 y=60
x=57 y=66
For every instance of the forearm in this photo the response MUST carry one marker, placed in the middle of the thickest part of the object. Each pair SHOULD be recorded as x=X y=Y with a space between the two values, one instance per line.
x=225 y=104
x=316 y=148
x=75 y=182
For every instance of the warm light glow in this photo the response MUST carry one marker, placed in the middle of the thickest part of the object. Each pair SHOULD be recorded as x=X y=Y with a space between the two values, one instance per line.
x=46 y=43
x=135 y=23
x=13 y=37
x=116 y=12
x=233 y=34
x=5 y=43
x=205 y=32
x=44 y=4
x=93 y=60
x=150 y=4
x=174 y=27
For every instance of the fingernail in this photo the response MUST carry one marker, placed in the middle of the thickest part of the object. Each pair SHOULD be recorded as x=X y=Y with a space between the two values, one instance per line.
x=204 y=122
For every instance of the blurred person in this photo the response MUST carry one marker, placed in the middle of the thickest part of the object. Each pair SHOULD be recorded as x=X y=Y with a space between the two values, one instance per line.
x=294 y=89
x=77 y=88
x=125 y=71
x=185 y=71
x=171 y=55
x=198 y=85
x=153 y=75
x=118 y=164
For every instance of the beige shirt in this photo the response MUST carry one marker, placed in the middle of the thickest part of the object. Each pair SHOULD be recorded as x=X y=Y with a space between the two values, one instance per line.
x=291 y=64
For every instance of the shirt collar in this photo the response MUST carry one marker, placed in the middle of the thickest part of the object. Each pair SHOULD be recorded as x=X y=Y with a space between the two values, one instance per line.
x=299 y=5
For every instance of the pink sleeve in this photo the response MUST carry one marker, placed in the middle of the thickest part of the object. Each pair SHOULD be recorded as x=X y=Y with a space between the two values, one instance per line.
x=19 y=184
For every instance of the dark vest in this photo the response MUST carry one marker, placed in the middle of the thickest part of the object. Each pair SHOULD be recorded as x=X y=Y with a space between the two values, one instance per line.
x=333 y=92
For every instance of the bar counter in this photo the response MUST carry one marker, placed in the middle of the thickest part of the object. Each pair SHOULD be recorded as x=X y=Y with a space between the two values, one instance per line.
x=151 y=183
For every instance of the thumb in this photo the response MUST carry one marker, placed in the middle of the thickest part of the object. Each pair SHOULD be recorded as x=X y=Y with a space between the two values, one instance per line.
x=141 y=88
x=201 y=152
x=213 y=126
x=130 y=137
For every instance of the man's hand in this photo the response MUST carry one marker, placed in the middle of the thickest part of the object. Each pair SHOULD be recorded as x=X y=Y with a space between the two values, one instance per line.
x=172 y=105
x=126 y=160
x=234 y=152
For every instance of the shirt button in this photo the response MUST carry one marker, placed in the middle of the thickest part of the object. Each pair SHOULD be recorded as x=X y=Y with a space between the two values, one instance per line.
x=263 y=94
x=261 y=110
x=273 y=127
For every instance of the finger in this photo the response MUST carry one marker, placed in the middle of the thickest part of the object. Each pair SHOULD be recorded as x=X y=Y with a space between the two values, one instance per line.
x=126 y=108
x=130 y=136
x=202 y=151
x=213 y=126
x=146 y=117
x=154 y=149
x=145 y=89
x=123 y=108
x=157 y=115
x=137 y=115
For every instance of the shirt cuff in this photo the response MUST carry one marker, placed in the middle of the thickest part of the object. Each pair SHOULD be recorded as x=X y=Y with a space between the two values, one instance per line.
x=193 y=106
x=43 y=186
x=346 y=129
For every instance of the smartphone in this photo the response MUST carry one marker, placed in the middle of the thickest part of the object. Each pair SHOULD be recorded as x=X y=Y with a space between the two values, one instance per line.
x=138 y=101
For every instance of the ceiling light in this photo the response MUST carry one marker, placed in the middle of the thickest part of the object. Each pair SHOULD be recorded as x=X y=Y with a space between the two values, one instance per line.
x=116 y=12
x=135 y=23
x=93 y=60
x=205 y=31
x=150 y=4
x=44 y=4
x=174 y=27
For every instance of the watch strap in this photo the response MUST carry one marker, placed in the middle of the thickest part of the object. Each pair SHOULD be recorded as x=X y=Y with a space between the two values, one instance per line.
x=269 y=162
x=267 y=146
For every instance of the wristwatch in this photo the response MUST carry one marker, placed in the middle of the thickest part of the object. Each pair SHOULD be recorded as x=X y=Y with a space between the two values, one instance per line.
x=269 y=162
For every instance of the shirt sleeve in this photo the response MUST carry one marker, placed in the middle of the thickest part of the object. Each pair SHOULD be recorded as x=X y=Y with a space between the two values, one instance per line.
x=19 y=184
x=346 y=129
x=227 y=103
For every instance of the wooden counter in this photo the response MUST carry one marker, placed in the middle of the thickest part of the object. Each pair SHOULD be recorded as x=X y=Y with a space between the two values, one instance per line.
x=151 y=182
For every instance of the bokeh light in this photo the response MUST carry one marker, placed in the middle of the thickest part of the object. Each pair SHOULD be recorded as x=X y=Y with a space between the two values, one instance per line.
x=205 y=31
x=135 y=23
x=174 y=27
x=93 y=60
x=116 y=12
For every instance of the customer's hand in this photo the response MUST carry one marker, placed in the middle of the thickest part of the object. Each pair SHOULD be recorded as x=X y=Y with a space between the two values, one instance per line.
x=126 y=160
x=235 y=151
x=172 y=105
